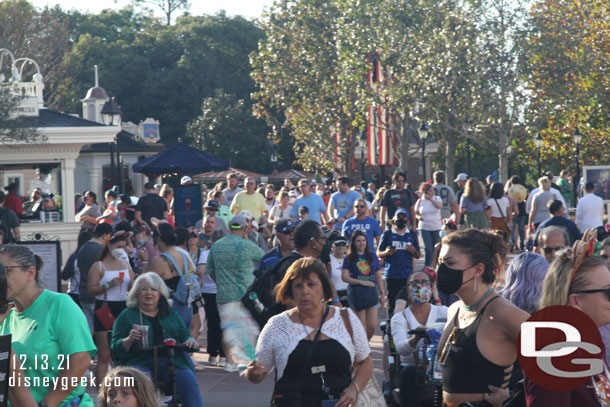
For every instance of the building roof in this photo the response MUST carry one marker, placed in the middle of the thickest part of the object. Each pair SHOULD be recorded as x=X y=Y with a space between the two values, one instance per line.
x=96 y=93
x=291 y=174
x=127 y=144
x=53 y=118
x=222 y=175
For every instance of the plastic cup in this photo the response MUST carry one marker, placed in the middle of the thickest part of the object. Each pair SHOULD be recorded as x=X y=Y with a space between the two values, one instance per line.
x=122 y=275
x=144 y=330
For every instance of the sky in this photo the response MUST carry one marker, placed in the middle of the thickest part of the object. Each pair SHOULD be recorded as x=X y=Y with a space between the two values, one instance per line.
x=246 y=8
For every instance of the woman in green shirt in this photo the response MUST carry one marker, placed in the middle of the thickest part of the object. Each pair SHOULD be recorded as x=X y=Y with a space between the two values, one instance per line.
x=148 y=304
x=50 y=335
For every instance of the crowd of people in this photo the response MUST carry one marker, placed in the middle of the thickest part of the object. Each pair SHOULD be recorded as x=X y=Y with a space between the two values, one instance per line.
x=337 y=253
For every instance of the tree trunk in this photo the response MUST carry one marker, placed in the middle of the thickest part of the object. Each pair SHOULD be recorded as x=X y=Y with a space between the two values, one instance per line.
x=503 y=159
x=403 y=139
x=450 y=149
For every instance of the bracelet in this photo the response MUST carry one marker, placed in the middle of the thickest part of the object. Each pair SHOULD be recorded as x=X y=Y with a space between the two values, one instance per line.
x=107 y=286
x=335 y=300
x=357 y=387
x=437 y=301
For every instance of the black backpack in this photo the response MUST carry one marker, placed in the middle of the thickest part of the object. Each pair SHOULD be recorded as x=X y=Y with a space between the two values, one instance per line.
x=262 y=291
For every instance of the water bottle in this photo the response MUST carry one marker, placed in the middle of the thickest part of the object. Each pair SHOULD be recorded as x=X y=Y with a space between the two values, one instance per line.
x=430 y=355
x=258 y=306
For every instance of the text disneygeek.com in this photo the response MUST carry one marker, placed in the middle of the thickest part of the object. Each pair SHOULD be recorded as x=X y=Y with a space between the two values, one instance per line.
x=65 y=383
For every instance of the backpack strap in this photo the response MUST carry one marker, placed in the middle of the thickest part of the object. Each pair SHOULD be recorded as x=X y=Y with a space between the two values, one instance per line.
x=173 y=262
x=347 y=322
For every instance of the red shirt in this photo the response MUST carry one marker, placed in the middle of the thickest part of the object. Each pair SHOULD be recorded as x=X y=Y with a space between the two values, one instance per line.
x=13 y=202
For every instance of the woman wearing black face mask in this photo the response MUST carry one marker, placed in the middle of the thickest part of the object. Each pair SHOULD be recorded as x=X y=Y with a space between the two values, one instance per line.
x=398 y=247
x=478 y=346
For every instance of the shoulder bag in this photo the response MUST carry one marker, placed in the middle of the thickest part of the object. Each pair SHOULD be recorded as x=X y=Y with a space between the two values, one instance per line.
x=104 y=313
x=371 y=395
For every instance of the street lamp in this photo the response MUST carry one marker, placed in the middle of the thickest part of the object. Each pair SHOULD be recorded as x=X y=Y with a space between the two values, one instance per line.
x=577 y=139
x=538 y=141
x=423 y=135
x=112 y=116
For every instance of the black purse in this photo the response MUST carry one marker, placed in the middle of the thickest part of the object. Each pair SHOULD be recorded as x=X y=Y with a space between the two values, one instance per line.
x=291 y=397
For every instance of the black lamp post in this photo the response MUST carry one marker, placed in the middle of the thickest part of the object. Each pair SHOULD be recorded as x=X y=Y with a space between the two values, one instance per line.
x=467 y=128
x=538 y=141
x=423 y=135
x=112 y=116
x=577 y=139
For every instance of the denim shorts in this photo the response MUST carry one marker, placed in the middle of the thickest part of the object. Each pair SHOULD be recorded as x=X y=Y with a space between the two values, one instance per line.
x=361 y=297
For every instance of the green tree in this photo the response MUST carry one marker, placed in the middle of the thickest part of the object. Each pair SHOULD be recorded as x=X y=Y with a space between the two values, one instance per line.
x=168 y=7
x=227 y=129
x=301 y=86
x=15 y=129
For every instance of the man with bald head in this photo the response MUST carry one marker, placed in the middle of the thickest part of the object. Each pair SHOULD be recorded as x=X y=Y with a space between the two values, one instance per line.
x=550 y=240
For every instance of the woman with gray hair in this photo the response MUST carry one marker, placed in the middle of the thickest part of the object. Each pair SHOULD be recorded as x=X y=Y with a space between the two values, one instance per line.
x=524 y=277
x=49 y=332
x=147 y=321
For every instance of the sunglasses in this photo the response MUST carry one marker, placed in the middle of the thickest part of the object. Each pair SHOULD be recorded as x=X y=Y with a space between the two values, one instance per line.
x=549 y=250
x=360 y=206
x=598 y=290
x=212 y=209
x=419 y=282
x=448 y=345
x=288 y=232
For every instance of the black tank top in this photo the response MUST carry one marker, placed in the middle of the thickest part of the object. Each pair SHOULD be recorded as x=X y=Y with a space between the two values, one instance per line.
x=465 y=369
x=299 y=387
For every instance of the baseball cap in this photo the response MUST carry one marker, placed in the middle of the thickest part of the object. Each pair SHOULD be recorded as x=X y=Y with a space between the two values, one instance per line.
x=212 y=203
x=247 y=215
x=284 y=225
x=293 y=193
x=304 y=209
x=254 y=225
x=185 y=179
x=340 y=242
x=238 y=222
x=490 y=177
x=461 y=177
x=401 y=211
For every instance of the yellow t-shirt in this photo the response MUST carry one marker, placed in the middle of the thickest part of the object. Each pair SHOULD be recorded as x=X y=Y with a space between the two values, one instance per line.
x=254 y=203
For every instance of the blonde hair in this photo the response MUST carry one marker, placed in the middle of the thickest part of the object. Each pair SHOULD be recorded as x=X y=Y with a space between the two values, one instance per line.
x=558 y=283
x=474 y=190
x=544 y=183
x=143 y=388
x=166 y=191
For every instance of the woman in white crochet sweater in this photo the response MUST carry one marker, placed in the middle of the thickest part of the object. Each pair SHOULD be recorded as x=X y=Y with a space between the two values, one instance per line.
x=310 y=345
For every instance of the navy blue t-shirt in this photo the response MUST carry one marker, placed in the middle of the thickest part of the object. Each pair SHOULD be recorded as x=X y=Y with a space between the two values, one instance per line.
x=400 y=264
x=369 y=226
x=362 y=270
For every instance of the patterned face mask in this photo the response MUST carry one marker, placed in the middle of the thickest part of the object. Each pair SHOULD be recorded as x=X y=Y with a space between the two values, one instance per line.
x=420 y=293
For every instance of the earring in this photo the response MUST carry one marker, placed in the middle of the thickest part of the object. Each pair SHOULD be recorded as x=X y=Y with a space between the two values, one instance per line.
x=475 y=284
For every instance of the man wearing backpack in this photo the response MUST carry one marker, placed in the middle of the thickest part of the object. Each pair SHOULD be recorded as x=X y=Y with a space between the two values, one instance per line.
x=231 y=264
x=9 y=223
x=309 y=241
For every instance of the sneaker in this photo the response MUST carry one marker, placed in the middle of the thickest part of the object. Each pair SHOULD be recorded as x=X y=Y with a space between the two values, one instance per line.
x=231 y=367
x=199 y=366
x=221 y=362
x=213 y=361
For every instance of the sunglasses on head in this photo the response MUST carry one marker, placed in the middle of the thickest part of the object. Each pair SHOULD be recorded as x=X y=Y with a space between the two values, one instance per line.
x=598 y=290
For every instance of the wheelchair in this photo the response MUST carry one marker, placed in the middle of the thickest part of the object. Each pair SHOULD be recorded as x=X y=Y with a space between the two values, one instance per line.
x=168 y=389
x=428 y=374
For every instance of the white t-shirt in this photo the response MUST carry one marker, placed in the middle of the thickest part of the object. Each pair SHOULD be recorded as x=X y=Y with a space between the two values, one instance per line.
x=208 y=286
x=281 y=335
x=430 y=215
x=277 y=214
x=405 y=321
x=503 y=203
x=336 y=265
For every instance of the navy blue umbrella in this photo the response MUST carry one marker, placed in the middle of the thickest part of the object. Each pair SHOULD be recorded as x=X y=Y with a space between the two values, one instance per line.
x=182 y=159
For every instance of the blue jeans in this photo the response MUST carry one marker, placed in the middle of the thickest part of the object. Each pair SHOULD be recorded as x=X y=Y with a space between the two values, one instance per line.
x=430 y=239
x=187 y=387
x=185 y=312
x=518 y=228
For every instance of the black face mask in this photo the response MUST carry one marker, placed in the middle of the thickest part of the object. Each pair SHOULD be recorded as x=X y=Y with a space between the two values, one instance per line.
x=449 y=280
x=401 y=223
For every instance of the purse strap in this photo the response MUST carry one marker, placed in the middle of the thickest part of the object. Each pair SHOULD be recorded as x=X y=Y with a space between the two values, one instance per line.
x=501 y=213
